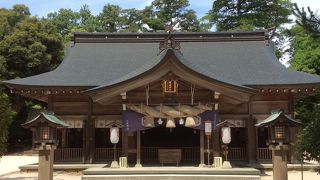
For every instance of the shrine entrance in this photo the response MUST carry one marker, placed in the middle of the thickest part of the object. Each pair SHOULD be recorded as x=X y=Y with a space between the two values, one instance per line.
x=170 y=146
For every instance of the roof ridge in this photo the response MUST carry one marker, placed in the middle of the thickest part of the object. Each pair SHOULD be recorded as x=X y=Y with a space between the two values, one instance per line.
x=157 y=37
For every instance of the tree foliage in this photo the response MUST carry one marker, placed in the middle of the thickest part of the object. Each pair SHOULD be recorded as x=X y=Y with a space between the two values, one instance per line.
x=6 y=115
x=305 y=51
x=306 y=57
x=249 y=14
x=308 y=144
x=113 y=18
x=164 y=11
x=309 y=21
x=28 y=46
x=32 y=47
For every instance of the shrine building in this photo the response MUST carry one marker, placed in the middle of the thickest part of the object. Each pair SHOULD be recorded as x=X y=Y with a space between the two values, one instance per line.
x=160 y=89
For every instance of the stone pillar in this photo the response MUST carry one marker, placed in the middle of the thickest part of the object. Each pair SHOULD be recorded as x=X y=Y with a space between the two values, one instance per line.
x=138 y=164
x=45 y=167
x=201 y=149
x=279 y=161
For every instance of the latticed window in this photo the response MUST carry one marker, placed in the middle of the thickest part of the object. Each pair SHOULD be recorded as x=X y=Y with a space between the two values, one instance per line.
x=279 y=132
x=44 y=133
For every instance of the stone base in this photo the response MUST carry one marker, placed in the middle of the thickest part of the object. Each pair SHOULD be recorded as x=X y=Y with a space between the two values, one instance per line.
x=170 y=177
x=171 y=173
x=226 y=165
x=202 y=165
x=138 y=165
x=114 y=164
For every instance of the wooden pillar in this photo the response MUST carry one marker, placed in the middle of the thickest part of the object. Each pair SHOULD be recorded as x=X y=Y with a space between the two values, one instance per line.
x=50 y=102
x=294 y=156
x=216 y=142
x=63 y=137
x=124 y=150
x=138 y=163
x=216 y=130
x=124 y=147
x=45 y=167
x=251 y=141
x=89 y=139
x=279 y=162
x=201 y=149
x=251 y=136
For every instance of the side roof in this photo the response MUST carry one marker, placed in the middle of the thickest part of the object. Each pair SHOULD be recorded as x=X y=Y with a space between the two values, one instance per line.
x=99 y=59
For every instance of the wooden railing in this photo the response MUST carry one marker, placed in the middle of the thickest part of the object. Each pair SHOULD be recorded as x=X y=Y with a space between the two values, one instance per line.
x=264 y=154
x=68 y=154
x=237 y=153
x=189 y=154
x=105 y=154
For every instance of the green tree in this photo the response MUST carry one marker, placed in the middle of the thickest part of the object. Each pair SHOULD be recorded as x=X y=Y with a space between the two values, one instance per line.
x=64 y=20
x=306 y=57
x=109 y=19
x=6 y=115
x=87 y=21
x=164 y=11
x=33 y=47
x=249 y=14
x=305 y=51
x=10 y=17
x=308 y=144
x=309 y=21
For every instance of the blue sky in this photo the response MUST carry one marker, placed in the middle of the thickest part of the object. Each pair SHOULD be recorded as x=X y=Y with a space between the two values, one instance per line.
x=43 y=7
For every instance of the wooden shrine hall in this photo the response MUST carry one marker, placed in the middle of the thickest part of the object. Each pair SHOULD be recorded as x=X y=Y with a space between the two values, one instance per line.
x=159 y=89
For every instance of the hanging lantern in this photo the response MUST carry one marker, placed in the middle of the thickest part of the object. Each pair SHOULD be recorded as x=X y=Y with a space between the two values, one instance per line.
x=160 y=121
x=181 y=121
x=226 y=135
x=190 y=122
x=170 y=124
x=147 y=122
x=114 y=135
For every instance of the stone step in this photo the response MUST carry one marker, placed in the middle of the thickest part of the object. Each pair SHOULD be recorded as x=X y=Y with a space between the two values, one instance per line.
x=171 y=177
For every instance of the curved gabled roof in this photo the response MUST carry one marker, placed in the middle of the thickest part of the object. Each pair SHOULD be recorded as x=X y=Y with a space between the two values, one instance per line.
x=240 y=63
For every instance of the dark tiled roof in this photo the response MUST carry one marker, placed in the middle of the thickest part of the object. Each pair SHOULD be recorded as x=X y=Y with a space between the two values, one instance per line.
x=49 y=116
x=241 y=62
x=275 y=116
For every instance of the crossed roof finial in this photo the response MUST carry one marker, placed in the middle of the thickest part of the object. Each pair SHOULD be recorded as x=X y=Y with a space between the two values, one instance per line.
x=169 y=42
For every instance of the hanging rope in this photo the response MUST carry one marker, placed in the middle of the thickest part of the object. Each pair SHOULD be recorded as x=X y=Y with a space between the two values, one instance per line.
x=192 y=92
x=147 y=94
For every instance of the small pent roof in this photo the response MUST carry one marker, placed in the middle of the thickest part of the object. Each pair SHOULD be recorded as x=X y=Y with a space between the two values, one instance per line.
x=44 y=116
x=278 y=116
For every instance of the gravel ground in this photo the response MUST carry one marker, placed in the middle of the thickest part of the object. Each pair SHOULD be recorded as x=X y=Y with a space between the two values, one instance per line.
x=294 y=175
x=11 y=163
x=61 y=175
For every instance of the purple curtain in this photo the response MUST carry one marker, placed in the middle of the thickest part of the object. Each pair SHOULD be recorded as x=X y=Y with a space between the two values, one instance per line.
x=212 y=116
x=132 y=121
